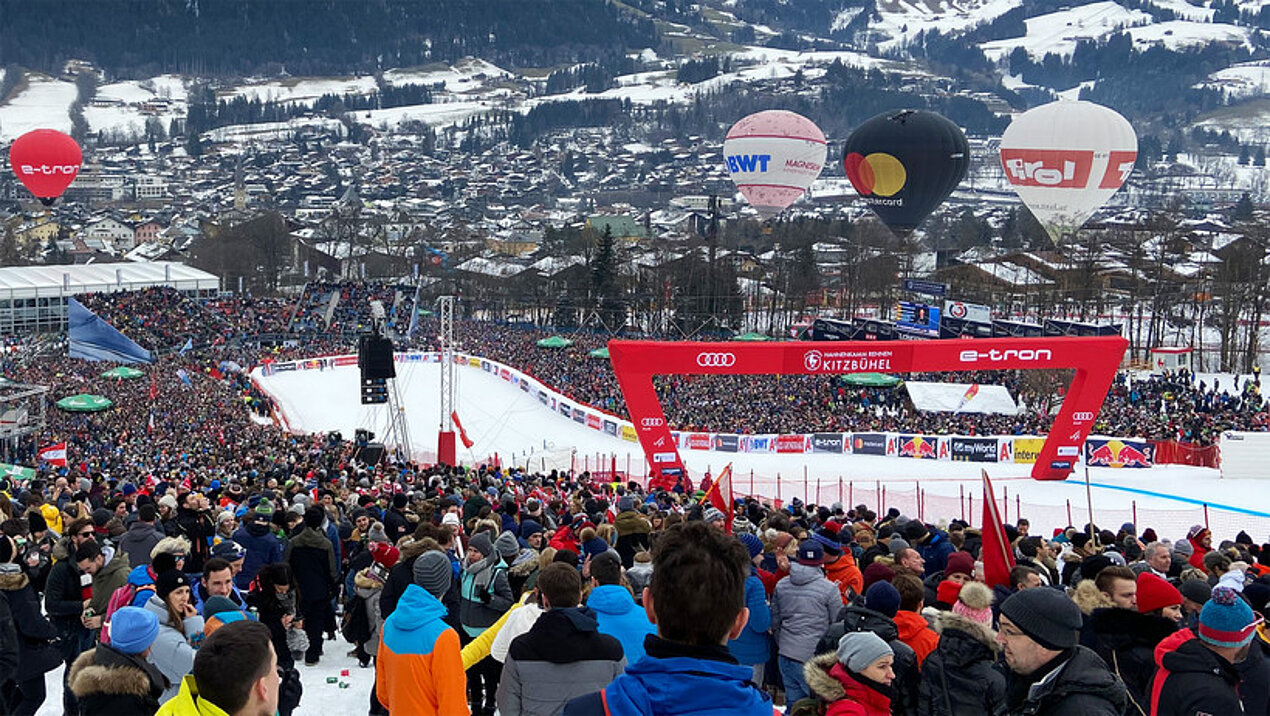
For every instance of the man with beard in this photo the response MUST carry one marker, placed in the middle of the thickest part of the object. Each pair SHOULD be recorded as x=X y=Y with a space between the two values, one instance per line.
x=1197 y=671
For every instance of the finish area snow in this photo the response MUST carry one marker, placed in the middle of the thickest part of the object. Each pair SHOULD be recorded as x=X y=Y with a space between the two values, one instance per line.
x=502 y=419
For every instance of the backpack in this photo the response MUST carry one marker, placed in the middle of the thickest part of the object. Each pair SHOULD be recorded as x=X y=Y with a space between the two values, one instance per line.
x=355 y=625
x=121 y=597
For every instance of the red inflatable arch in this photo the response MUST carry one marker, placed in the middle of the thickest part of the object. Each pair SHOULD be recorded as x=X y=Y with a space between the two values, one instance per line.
x=1095 y=359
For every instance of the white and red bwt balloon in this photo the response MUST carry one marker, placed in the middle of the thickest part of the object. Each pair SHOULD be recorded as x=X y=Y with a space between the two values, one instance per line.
x=774 y=156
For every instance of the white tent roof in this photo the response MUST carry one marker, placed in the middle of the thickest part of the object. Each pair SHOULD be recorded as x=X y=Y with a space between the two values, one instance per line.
x=61 y=281
x=961 y=398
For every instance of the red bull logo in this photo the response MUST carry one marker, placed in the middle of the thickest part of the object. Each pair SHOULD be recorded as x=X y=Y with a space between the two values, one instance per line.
x=1116 y=453
x=918 y=447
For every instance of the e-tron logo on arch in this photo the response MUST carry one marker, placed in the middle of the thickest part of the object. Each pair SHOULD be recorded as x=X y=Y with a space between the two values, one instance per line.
x=812 y=360
x=877 y=174
x=716 y=360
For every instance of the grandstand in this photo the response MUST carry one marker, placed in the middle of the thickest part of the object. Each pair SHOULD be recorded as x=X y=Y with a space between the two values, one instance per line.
x=33 y=298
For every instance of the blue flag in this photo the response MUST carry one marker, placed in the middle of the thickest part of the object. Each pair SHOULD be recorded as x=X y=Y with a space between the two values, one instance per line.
x=92 y=338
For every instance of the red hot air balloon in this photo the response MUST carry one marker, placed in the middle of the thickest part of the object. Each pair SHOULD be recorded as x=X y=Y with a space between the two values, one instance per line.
x=46 y=161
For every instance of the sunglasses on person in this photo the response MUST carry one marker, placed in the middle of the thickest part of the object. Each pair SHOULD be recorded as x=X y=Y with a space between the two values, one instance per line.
x=88 y=533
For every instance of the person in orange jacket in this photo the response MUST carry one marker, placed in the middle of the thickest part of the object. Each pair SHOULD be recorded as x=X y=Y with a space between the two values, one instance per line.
x=419 y=668
x=912 y=626
x=841 y=568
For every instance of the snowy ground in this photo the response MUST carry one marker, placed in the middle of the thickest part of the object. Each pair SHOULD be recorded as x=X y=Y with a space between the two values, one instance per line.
x=502 y=419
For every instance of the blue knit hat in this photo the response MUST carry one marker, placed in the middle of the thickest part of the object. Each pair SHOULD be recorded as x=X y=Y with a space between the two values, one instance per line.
x=1227 y=620
x=882 y=597
x=133 y=629
x=753 y=544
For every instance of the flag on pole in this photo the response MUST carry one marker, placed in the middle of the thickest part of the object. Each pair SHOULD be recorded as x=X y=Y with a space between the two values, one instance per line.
x=189 y=345
x=966 y=397
x=467 y=442
x=54 y=454
x=997 y=553
x=16 y=471
x=720 y=495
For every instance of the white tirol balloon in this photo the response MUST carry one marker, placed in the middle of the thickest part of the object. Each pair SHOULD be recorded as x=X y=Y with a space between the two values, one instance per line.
x=1065 y=159
x=774 y=156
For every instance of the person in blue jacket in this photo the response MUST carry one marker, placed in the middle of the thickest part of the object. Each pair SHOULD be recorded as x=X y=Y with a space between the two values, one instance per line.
x=753 y=647
x=696 y=599
x=616 y=613
x=262 y=545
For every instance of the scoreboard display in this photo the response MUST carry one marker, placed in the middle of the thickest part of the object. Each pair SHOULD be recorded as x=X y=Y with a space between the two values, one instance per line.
x=917 y=318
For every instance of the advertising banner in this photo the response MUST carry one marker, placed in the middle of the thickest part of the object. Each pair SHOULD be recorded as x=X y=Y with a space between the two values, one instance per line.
x=1027 y=450
x=628 y=434
x=726 y=443
x=826 y=442
x=593 y=421
x=791 y=443
x=698 y=441
x=1115 y=452
x=758 y=443
x=610 y=427
x=868 y=443
x=923 y=447
x=973 y=449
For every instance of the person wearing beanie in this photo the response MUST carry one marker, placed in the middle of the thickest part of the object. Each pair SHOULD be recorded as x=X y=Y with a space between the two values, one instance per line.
x=803 y=606
x=877 y=572
x=856 y=678
x=418 y=666
x=378 y=533
x=1049 y=672
x=633 y=531
x=752 y=647
x=24 y=623
x=877 y=615
x=840 y=566
x=1156 y=596
x=316 y=568
x=262 y=545
x=959 y=676
x=1126 y=638
x=945 y=595
x=507 y=547
x=485 y=593
x=1197 y=672
x=396 y=525
x=180 y=627
x=115 y=678
x=1195 y=594
x=219 y=611
x=714 y=517
x=1200 y=540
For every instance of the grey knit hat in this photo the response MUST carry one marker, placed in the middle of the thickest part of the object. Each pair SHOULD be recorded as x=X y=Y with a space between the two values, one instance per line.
x=481 y=543
x=432 y=571
x=1045 y=615
x=897 y=545
x=507 y=546
x=714 y=514
x=376 y=533
x=858 y=649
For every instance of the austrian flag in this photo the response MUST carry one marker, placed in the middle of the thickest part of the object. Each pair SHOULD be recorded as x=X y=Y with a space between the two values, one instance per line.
x=54 y=454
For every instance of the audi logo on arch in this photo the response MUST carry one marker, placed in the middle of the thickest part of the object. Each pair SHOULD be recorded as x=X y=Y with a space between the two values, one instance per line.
x=651 y=422
x=1082 y=417
x=716 y=360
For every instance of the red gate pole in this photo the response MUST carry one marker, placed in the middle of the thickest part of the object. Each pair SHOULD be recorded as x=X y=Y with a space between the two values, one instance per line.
x=751 y=482
x=1069 y=512
x=1005 y=497
x=1135 y=513
x=844 y=507
x=877 y=492
x=778 y=487
x=1018 y=507
x=883 y=500
x=807 y=490
x=851 y=493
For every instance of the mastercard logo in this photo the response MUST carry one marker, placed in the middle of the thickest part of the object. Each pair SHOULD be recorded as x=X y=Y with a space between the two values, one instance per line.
x=877 y=174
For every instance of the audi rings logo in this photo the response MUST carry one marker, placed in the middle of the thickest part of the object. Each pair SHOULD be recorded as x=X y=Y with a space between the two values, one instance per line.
x=651 y=422
x=812 y=360
x=1082 y=417
x=716 y=360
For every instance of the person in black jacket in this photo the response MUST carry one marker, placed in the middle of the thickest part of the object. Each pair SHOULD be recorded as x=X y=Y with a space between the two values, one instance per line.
x=960 y=675
x=881 y=602
x=274 y=602
x=24 y=692
x=1126 y=639
x=1196 y=672
x=312 y=560
x=195 y=522
x=66 y=592
x=396 y=525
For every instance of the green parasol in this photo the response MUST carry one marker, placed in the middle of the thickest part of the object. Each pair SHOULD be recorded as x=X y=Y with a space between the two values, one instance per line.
x=873 y=380
x=84 y=403
x=555 y=342
x=600 y=353
x=123 y=371
x=751 y=336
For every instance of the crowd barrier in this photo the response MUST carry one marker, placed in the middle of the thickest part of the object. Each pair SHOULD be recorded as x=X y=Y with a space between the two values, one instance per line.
x=1099 y=451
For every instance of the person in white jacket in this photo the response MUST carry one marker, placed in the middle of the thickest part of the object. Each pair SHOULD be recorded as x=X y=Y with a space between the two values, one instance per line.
x=180 y=629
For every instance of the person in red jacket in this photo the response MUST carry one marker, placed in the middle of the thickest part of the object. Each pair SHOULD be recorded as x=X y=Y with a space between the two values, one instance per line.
x=855 y=680
x=913 y=628
x=1202 y=542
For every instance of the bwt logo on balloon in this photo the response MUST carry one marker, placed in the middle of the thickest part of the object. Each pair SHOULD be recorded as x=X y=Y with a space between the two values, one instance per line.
x=748 y=162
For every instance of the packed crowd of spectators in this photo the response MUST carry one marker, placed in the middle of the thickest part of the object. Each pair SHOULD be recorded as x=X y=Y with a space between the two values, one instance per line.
x=1157 y=407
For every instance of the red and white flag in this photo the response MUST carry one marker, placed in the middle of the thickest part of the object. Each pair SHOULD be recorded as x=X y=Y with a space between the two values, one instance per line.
x=467 y=442
x=720 y=495
x=997 y=553
x=54 y=454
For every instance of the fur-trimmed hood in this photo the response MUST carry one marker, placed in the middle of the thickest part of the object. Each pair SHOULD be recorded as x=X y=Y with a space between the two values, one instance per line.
x=979 y=632
x=12 y=581
x=816 y=673
x=1088 y=598
x=526 y=563
x=411 y=548
x=118 y=679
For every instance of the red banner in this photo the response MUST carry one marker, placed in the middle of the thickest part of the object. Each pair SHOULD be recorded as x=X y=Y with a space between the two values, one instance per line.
x=698 y=441
x=791 y=443
x=1095 y=359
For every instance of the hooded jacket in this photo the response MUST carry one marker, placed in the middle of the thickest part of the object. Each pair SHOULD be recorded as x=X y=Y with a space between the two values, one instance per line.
x=171 y=652
x=617 y=616
x=959 y=676
x=112 y=575
x=312 y=559
x=484 y=594
x=137 y=542
x=915 y=632
x=907 y=677
x=843 y=694
x=678 y=680
x=1126 y=641
x=106 y=681
x=562 y=656
x=803 y=606
x=263 y=547
x=419 y=669
x=632 y=535
x=63 y=592
x=188 y=703
x=1191 y=679
x=753 y=645
x=36 y=652
x=1080 y=686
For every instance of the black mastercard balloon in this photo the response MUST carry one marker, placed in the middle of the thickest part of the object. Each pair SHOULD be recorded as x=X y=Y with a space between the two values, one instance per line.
x=904 y=164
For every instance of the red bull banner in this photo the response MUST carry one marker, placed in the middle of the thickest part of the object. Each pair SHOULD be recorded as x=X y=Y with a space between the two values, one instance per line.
x=1115 y=452
x=922 y=447
x=1094 y=358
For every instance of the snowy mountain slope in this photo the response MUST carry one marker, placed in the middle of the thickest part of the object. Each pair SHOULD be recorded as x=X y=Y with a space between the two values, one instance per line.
x=43 y=104
x=1244 y=80
x=900 y=20
x=1058 y=32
